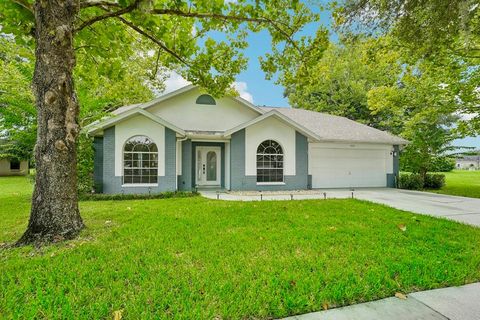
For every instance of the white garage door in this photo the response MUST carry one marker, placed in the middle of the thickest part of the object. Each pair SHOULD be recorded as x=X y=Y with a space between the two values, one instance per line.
x=346 y=168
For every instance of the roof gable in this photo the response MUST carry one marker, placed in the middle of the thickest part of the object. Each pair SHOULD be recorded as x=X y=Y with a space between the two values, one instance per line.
x=98 y=127
x=279 y=116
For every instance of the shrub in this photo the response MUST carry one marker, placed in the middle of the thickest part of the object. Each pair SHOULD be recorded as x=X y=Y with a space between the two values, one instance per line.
x=434 y=181
x=410 y=181
x=442 y=164
x=120 y=196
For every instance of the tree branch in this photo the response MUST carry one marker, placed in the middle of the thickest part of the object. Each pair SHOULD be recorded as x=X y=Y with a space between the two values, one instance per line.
x=110 y=14
x=189 y=14
x=24 y=4
x=200 y=15
x=155 y=40
x=98 y=3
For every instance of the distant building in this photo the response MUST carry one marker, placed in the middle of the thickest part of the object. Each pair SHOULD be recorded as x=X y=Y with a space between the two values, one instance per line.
x=468 y=162
x=13 y=167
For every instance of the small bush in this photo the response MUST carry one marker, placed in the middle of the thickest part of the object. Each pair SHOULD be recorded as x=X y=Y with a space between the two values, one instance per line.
x=162 y=195
x=411 y=181
x=442 y=164
x=434 y=181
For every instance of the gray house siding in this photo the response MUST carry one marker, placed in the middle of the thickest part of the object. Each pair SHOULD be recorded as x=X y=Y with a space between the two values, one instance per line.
x=185 y=179
x=393 y=177
x=98 y=164
x=113 y=184
x=239 y=181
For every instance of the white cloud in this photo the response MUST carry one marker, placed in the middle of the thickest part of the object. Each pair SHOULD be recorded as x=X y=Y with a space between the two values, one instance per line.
x=175 y=81
x=242 y=90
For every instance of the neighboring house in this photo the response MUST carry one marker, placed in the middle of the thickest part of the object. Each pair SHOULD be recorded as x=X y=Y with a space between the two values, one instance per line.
x=13 y=167
x=187 y=139
x=468 y=162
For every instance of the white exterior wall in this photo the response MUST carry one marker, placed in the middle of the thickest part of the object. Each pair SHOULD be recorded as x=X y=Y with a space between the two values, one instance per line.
x=183 y=112
x=349 y=164
x=139 y=126
x=5 y=168
x=269 y=129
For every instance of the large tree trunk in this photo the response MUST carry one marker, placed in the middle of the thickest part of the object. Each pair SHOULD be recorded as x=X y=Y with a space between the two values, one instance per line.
x=54 y=215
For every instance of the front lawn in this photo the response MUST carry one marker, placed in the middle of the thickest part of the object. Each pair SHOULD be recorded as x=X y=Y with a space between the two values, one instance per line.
x=461 y=183
x=193 y=258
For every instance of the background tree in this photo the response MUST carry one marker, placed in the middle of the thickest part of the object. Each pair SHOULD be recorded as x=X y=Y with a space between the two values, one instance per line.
x=180 y=32
x=378 y=82
x=429 y=30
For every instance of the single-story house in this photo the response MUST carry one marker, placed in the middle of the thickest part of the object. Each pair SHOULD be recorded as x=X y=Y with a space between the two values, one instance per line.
x=13 y=167
x=468 y=162
x=187 y=139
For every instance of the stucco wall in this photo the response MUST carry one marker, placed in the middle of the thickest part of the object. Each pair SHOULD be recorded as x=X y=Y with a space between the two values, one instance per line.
x=270 y=129
x=5 y=168
x=183 y=112
x=240 y=181
x=139 y=126
x=112 y=183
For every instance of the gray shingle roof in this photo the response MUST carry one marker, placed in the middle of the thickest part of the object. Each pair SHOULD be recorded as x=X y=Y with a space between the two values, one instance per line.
x=335 y=128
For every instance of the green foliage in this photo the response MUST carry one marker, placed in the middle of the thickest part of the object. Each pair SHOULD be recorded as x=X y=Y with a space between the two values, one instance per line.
x=118 y=197
x=410 y=181
x=442 y=164
x=427 y=31
x=85 y=159
x=339 y=82
x=434 y=181
x=374 y=80
x=194 y=258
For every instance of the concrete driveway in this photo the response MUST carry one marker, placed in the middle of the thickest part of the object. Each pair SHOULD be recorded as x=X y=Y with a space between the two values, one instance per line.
x=460 y=209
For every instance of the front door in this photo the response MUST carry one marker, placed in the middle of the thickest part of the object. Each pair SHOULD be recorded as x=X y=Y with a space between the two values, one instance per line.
x=208 y=166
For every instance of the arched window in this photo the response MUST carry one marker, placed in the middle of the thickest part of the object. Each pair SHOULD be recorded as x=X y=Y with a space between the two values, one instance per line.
x=205 y=99
x=269 y=162
x=140 y=161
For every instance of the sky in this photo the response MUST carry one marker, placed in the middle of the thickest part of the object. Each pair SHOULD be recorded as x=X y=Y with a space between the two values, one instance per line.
x=252 y=85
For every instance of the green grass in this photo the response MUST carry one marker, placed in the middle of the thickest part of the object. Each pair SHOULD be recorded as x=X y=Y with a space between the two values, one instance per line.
x=461 y=183
x=192 y=258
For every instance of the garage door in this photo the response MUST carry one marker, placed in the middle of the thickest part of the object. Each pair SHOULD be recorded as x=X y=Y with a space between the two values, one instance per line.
x=347 y=168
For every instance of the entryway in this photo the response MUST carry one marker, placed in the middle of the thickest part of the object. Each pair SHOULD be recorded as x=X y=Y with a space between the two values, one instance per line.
x=208 y=166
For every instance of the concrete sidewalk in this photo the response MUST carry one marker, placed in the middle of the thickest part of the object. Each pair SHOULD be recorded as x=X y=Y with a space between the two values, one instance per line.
x=455 y=303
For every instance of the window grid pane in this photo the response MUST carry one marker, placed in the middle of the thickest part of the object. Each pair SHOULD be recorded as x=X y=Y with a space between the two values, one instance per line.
x=269 y=162
x=140 y=161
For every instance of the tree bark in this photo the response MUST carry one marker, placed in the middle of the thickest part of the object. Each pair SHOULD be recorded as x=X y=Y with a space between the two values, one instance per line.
x=55 y=215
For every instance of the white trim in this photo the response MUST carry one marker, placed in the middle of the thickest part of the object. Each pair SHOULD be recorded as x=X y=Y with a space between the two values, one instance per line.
x=133 y=185
x=205 y=150
x=96 y=127
x=270 y=183
x=278 y=115
x=210 y=140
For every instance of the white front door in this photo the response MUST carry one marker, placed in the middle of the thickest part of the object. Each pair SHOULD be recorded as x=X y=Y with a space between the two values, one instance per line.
x=208 y=166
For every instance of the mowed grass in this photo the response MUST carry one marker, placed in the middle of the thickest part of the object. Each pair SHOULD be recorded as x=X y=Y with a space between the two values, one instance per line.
x=463 y=183
x=194 y=258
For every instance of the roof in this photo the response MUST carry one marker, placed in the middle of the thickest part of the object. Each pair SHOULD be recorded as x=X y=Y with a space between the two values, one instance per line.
x=334 y=128
x=469 y=158
x=315 y=125
x=278 y=115
x=177 y=92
